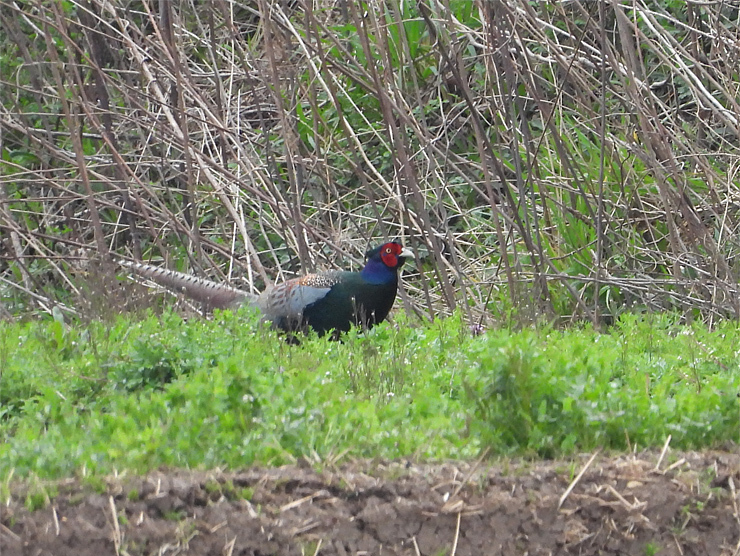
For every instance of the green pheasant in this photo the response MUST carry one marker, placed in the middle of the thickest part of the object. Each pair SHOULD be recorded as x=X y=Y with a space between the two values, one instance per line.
x=322 y=301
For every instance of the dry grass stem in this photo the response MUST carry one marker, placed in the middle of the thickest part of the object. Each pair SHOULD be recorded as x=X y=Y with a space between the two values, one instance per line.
x=569 y=160
x=663 y=453
x=574 y=482
x=117 y=538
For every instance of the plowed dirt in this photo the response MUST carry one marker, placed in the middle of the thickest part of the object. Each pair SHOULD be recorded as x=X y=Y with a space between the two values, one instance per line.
x=627 y=505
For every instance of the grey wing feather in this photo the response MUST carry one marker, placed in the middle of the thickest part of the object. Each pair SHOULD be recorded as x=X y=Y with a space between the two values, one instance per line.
x=289 y=299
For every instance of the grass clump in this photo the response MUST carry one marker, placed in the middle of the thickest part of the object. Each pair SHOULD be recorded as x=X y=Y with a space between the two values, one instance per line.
x=233 y=394
x=553 y=392
x=39 y=495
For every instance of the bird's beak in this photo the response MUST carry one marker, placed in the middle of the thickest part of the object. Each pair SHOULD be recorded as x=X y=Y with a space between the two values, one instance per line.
x=408 y=253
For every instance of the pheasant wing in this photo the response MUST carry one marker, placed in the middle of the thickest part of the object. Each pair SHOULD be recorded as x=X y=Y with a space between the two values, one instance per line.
x=284 y=303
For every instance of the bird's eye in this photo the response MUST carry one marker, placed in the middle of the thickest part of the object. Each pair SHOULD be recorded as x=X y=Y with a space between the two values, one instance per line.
x=388 y=250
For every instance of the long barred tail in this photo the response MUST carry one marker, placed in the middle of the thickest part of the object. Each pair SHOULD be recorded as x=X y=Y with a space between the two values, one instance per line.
x=215 y=295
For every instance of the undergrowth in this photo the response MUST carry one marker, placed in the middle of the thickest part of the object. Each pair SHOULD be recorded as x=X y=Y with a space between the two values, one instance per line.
x=570 y=159
x=162 y=391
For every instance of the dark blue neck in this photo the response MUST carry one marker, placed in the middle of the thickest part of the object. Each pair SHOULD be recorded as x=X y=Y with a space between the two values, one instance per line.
x=376 y=272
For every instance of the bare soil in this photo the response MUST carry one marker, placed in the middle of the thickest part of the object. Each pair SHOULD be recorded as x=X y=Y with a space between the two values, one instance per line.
x=628 y=505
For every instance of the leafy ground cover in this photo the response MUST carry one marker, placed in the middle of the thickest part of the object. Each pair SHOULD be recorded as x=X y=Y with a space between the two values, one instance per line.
x=161 y=391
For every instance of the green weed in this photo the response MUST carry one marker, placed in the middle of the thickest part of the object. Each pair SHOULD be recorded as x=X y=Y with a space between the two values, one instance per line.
x=228 y=394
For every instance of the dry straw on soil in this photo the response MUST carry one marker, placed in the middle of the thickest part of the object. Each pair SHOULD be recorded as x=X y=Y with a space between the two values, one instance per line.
x=619 y=505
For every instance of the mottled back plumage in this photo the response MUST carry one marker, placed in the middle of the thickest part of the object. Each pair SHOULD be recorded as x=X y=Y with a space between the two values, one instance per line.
x=323 y=301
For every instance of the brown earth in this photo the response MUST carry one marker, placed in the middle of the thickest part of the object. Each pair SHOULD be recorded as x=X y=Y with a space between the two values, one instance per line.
x=620 y=505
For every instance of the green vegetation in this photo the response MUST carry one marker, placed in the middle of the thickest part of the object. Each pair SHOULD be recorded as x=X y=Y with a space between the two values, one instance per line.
x=651 y=549
x=138 y=395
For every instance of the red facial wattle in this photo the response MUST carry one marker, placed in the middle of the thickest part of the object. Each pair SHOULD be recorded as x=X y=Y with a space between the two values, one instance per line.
x=389 y=254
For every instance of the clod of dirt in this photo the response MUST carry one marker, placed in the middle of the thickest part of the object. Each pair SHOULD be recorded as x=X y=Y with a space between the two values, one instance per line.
x=621 y=505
